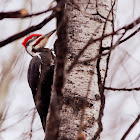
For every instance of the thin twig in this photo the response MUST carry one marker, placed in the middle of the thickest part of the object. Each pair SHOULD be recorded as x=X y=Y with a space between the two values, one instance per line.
x=137 y=138
x=131 y=35
x=27 y=31
x=99 y=75
x=131 y=127
x=102 y=54
x=23 y=13
x=21 y=119
x=122 y=89
x=91 y=41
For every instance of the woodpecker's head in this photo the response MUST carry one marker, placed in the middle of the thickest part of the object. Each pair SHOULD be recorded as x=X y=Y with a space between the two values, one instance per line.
x=35 y=42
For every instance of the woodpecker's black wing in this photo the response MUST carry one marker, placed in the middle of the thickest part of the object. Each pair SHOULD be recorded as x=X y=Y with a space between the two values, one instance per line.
x=34 y=74
x=44 y=89
x=40 y=78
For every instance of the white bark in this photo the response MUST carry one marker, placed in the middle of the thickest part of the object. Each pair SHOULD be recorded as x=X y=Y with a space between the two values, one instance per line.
x=82 y=25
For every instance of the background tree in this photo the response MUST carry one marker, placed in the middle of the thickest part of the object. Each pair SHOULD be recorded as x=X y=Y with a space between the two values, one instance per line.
x=83 y=93
x=74 y=104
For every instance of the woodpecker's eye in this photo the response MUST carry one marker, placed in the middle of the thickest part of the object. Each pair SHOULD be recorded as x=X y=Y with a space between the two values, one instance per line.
x=31 y=40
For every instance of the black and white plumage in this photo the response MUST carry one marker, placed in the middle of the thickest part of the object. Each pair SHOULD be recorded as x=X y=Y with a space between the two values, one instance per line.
x=40 y=78
x=40 y=72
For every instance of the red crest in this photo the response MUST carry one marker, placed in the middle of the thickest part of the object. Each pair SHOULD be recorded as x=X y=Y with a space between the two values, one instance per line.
x=29 y=37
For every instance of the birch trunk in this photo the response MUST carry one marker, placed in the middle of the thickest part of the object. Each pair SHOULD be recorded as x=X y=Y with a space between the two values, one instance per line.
x=83 y=90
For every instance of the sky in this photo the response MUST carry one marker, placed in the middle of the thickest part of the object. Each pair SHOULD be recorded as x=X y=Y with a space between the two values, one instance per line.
x=121 y=107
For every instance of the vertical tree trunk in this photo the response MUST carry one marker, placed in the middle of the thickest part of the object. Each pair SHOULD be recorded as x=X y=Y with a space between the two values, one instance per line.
x=83 y=90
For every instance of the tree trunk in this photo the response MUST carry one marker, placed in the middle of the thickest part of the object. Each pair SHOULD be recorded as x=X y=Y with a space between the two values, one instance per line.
x=83 y=90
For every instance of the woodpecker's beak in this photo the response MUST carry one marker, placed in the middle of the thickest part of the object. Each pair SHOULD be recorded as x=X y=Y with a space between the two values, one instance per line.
x=48 y=34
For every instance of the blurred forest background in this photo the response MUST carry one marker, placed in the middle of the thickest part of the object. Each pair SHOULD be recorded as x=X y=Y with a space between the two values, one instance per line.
x=19 y=109
x=122 y=107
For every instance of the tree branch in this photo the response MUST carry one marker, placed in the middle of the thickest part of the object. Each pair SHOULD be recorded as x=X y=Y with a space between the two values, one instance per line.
x=131 y=35
x=23 y=13
x=91 y=41
x=52 y=131
x=122 y=89
x=15 y=14
x=100 y=74
x=131 y=127
x=27 y=31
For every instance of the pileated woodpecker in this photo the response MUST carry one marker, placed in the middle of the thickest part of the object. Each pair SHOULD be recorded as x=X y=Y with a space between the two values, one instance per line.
x=40 y=72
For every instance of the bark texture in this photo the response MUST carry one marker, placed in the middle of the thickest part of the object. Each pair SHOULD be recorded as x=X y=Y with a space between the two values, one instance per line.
x=84 y=85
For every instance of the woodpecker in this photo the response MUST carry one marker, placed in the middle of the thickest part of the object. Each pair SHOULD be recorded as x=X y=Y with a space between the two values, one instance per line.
x=40 y=72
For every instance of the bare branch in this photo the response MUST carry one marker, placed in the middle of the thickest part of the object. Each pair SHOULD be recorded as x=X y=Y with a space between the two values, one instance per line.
x=122 y=89
x=100 y=76
x=35 y=27
x=131 y=127
x=131 y=35
x=91 y=41
x=23 y=13
x=21 y=119
x=16 y=14
x=137 y=138
x=52 y=130
x=27 y=31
